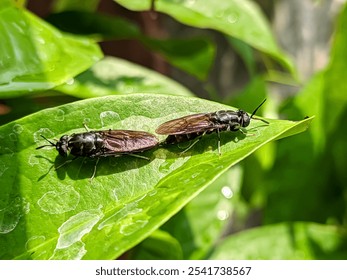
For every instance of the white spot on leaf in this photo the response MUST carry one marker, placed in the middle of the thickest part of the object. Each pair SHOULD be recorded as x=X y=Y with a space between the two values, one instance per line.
x=17 y=128
x=11 y=214
x=60 y=115
x=59 y=201
x=34 y=241
x=109 y=118
x=74 y=252
x=77 y=226
x=43 y=131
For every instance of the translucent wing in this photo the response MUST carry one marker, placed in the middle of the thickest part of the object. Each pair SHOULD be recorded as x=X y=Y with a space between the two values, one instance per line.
x=127 y=141
x=188 y=124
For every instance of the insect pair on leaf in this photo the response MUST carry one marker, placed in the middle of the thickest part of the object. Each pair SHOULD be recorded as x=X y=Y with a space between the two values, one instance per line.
x=107 y=143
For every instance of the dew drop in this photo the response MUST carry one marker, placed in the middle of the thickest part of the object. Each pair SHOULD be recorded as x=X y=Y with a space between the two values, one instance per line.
x=60 y=115
x=11 y=214
x=190 y=2
x=17 y=128
x=222 y=215
x=60 y=201
x=43 y=131
x=232 y=17
x=13 y=136
x=109 y=118
x=126 y=212
x=41 y=40
x=74 y=252
x=133 y=227
x=70 y=82
x=76 y=227
x=34 y=241
x=33 y=160
x=227 y=192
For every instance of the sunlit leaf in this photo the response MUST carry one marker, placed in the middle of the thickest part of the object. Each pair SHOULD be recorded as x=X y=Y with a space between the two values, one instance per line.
x=61 y=214
x=113 y=75
x=240 y=19
x=36 y=56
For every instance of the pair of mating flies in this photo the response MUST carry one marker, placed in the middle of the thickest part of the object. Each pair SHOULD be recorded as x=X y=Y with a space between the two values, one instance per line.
x=106 y=143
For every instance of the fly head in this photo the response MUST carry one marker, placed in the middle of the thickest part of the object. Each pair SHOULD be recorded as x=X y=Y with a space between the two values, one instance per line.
x=244 y=118
x=62 y=145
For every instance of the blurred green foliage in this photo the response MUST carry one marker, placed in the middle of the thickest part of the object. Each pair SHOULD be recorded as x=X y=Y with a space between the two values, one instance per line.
x=292 y=192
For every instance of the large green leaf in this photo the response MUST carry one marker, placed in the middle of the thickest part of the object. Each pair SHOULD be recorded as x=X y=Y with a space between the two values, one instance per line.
x=36 y=56
x=240 y=19
x=117 y=76
x=300 y=241
x=62 y=215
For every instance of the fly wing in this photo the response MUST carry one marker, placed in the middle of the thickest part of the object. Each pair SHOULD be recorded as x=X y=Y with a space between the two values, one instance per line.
x=127 y=141
x=188 y=124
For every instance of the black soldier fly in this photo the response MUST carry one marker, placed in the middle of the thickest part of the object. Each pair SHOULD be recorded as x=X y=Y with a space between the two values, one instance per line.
x=103 y=143
x=195 y=126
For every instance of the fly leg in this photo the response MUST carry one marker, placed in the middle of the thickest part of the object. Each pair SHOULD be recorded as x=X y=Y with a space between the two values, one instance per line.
x=66 y=162
x=218 y=134
x=192 y=144
x=86 y=127
x=94 y=172
x=138 y=156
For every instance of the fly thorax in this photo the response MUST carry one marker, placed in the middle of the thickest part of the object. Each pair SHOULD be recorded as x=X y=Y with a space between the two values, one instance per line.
x=227 y=117
x=82 y=144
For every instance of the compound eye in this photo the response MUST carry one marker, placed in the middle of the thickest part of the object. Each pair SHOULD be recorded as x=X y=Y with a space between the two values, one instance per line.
x=245 y=120
x=62 y=149
x=62 y=145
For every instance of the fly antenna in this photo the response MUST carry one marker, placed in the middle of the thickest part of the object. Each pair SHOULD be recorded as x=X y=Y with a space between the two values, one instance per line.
x=50 y=142
x=256 y=109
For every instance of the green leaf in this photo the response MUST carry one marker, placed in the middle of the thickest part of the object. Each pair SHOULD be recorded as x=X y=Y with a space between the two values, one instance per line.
x=36 y=56
x=326 y=90
x=193 y=55
x=117 y=76
x=94 y=24
x=286 y=241
x=62 y=215
x=5 y=4
x=196 y=235
x=79 y=5
x=245 y=52
x=160 y=245
x=240 y=19
x=25 y=105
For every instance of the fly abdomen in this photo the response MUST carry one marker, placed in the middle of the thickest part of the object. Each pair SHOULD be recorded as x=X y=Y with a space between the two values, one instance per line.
x=179 y=138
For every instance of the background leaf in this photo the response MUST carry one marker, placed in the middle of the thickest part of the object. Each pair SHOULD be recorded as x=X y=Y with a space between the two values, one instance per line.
x=160 y=245
x=240 y=19
x=117 y=76
x=62 y=215
x=193 y=55
x=285 y=241
x=36 y=56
